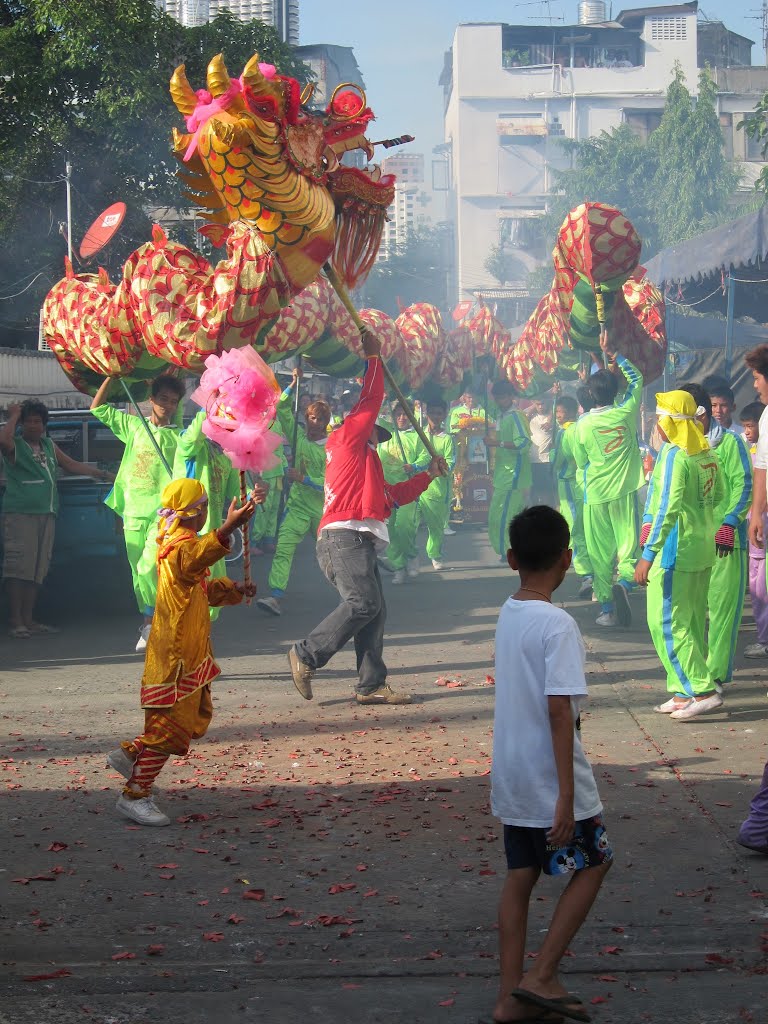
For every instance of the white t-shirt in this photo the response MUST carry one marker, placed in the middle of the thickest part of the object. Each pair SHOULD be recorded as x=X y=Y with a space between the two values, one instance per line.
x=541 y=436
x=539 y=654
x=761 y=455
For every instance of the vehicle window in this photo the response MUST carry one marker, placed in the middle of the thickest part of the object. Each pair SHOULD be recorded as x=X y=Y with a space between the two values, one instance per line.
x=68 y=435
x=103 y=447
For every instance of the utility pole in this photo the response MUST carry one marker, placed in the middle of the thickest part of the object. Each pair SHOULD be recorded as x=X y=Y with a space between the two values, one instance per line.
x=68 y=180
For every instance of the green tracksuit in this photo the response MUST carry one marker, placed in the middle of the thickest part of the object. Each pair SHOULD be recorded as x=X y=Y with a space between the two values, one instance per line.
x=304 y=506
x=434 y=504
x=682 y=497
x=570 y=495
x=264 y=522
x=200 y=459
x=399 y=456
x=511 y=477
x=135 y=495
x=727 y=583
x=607 y=454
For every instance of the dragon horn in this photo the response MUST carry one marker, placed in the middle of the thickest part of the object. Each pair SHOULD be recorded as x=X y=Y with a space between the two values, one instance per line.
x=182 y=93
x=217 y=78
x=260 y=85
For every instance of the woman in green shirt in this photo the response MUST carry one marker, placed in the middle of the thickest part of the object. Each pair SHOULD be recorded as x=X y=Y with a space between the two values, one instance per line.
x=30 y=506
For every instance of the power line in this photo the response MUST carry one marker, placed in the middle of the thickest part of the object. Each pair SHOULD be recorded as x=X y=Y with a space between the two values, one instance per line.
x=6 y=298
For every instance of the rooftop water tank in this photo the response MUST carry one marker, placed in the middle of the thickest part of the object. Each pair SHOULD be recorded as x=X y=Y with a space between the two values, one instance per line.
x=592 y=12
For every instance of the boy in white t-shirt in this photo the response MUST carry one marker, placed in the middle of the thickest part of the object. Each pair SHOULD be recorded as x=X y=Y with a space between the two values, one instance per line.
x=542 y=786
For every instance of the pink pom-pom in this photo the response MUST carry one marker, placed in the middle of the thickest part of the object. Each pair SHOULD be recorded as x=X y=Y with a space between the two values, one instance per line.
x=239 y=393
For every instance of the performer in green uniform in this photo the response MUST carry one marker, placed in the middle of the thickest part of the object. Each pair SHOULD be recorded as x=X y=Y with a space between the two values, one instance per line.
x=678 y=538
x=304 y=506
x=512 y=468
x=399 y=457
x=434 y=505
x=570 y=492
x=727 y=584
x=140 y=481
x=264 y=528
x=468 y=406
x=607 y=454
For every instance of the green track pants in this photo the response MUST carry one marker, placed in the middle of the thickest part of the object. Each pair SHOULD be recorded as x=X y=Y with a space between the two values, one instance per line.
x=435 y=513
x=505 y=504
x=612 y=530
x=726 y=603
x=402 y=526
x=295 y=526
x=572 y=510
x=265 y=517
x=141 y=547
x=677 y=610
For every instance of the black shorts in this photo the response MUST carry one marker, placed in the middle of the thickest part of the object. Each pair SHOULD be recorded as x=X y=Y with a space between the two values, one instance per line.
x=528 y=848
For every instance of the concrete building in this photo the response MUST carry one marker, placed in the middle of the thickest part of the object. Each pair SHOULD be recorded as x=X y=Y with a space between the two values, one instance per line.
x=281 y=14
x=332 y=66
x=412 y=205
x=512 y=91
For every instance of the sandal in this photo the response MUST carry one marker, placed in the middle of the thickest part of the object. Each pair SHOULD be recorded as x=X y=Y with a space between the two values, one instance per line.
x=569 y=1006
x=20 y=633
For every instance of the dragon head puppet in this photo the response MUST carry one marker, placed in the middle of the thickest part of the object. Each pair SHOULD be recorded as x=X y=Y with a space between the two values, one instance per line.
x=254 y=151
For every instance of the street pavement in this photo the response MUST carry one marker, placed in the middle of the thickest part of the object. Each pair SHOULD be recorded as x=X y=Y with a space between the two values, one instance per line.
x=330 y=862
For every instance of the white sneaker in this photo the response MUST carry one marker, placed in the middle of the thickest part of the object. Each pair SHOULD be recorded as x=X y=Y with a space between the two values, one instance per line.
x=606 y=619
x=671 y=705
x=413 y=567
x=119 y=760
x=698 y=707
x=398 y=577
x=586 y=587
x=270 y=604
x=448 y=532
x=437 y=565
x=144 y=810
x=756 y=651
x=141 y=643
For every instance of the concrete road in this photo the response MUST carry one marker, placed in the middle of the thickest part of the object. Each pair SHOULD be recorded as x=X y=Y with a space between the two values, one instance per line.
x=336 y=863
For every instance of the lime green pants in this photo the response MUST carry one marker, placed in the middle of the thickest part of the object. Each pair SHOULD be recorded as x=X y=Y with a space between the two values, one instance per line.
x=402 y=526
x=611 y=531
x=572 y=510
x=677 y=612
x=725 y=599
x=296 y=524
x=141 y=547
x=505 y=505
x=435 y=513
x=265 y=517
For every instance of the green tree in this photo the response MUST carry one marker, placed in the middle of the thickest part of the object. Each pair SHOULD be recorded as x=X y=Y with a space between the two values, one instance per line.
x=756 y=127
x=87 y=81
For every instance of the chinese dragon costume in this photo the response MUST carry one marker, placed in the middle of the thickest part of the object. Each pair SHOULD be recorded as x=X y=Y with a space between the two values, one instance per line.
x=266 y=171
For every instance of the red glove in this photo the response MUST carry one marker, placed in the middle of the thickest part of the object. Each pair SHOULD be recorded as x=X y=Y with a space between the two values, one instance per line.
x=724 y=540
x=645 y=533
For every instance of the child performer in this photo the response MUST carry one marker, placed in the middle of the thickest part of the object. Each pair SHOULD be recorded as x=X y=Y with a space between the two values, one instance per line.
x=512 y=466
x=304 y=507
x=200 y=459
x=179 y=668
x=728 y=582
x=140 y=479
x=678 y=545
x=569 y=490
x=542 y=786
x=758 y=589
x=607 y=453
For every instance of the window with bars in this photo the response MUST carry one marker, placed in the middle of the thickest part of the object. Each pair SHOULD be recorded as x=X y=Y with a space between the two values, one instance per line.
x=668 y=28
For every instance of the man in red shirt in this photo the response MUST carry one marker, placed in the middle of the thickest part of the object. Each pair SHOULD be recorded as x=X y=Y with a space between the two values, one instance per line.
x=352 y=532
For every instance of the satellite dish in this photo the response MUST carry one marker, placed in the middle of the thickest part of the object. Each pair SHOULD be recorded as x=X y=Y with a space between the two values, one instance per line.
x=102 y=230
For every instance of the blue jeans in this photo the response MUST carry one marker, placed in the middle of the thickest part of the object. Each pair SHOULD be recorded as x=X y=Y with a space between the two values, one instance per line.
x=348 y=559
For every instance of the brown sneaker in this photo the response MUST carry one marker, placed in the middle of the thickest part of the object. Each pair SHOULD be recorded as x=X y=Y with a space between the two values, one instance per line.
x=302 y=674
x=384 y=695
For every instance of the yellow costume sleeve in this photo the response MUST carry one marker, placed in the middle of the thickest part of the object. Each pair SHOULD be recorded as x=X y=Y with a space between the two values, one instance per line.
x=221 y=592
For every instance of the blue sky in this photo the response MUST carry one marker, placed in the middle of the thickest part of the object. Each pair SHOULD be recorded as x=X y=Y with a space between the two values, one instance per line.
x=400 y=44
